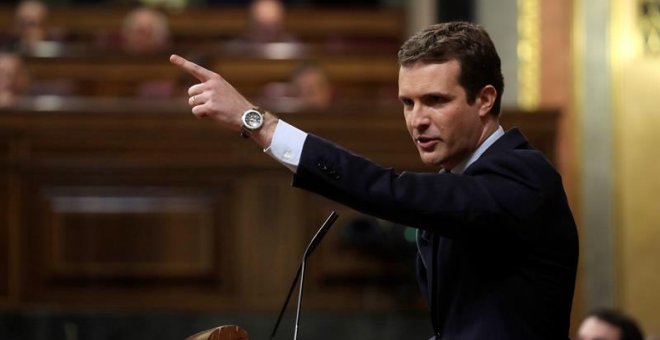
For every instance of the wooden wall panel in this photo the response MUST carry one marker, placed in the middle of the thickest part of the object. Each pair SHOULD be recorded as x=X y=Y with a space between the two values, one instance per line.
x=128 y=232
x=4 y=236
x=92 y=235
x=5 y=219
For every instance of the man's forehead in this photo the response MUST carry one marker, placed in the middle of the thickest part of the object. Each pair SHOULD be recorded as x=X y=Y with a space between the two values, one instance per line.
x=438 y=71
x=422 y=62
x=448 y=67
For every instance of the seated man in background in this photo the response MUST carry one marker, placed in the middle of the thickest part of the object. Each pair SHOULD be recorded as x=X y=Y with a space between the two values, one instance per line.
x=14 y=79
x=311 y=86
x=266 y=20
x=145 y=30
x=265 y=34
x=307 y=89
x=30 y=29
x=606 y=324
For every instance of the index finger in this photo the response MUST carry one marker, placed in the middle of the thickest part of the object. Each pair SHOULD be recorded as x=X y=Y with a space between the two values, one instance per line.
x=199 y=72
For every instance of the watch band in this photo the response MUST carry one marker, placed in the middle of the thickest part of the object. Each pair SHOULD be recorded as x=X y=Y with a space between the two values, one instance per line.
x=245 y=132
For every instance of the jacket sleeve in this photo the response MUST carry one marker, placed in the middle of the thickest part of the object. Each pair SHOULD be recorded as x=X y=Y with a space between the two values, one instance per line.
x=500 y=193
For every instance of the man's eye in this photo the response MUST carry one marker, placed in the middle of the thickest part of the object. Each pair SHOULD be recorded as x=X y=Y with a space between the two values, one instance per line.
x=434 y=100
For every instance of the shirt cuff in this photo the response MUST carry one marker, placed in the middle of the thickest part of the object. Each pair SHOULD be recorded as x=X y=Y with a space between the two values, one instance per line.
x=286 y=145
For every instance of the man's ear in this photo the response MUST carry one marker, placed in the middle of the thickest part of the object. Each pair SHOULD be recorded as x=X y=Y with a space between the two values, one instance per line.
x=486 y=97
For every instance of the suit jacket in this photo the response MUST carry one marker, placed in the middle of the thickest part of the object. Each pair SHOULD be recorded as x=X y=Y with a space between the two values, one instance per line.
x=498 y=245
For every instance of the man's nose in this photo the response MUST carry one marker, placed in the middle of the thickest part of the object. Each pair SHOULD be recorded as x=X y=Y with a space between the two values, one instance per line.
x=420 y=117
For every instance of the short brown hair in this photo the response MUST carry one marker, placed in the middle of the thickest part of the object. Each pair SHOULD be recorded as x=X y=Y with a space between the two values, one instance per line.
x=629 y=328
x=466 y=42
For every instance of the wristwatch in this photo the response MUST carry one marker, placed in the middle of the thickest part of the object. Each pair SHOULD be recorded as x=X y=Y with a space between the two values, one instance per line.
x=252 y=120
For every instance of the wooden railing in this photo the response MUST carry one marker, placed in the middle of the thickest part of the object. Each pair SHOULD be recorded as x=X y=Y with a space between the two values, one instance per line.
x=352 y=75
x=207 y=25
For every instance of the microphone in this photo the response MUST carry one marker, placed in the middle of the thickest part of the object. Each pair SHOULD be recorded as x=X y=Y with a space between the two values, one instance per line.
x=301 y=274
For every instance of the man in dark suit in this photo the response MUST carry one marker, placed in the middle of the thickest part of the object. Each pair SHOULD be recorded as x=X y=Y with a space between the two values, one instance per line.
x=497 y=242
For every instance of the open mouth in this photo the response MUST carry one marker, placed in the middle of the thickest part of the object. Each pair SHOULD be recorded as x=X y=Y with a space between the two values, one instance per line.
x=426 y=142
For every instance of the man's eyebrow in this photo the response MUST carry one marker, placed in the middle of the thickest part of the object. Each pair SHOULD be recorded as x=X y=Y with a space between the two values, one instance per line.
x=442 y=95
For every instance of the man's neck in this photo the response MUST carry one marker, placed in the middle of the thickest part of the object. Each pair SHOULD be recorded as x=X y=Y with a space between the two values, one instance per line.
x=491 y=134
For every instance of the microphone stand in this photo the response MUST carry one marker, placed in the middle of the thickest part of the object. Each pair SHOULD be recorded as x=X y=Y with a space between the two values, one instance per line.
x=301 y=274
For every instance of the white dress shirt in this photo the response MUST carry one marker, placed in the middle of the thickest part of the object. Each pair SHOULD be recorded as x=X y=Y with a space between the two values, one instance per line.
x=287 y=145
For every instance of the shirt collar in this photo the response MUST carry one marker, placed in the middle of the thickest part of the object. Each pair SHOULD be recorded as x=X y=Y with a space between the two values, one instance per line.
x=479 y=151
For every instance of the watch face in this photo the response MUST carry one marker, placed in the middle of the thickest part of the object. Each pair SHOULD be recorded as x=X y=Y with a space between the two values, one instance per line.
x=252 y=119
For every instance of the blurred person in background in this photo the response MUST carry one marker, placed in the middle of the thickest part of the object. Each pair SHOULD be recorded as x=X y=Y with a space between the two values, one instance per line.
x=14 y=79
x=265 y=34
x=30 y=30
x=312 y=87
x=308 y=88
x=145 y=30
x=607 y=324
x=266 y=22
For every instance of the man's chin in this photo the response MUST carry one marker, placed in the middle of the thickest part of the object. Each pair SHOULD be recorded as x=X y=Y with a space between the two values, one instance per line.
x=430 y=159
